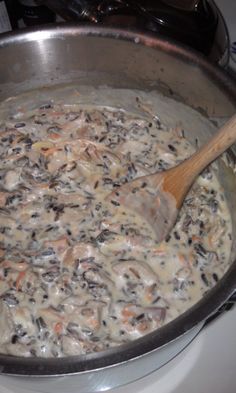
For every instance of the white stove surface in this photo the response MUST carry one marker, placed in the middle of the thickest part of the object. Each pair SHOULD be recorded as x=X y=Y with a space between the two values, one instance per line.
x=207 y=365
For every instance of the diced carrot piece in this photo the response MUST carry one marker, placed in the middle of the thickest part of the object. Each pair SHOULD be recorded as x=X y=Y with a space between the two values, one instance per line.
x=20 y=276
x=126 y=312
x=54 y=135
x=58 y=327
x=196 y=238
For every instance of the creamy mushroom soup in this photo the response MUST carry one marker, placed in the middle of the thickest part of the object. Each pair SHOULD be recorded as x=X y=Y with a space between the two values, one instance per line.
x=80 y=273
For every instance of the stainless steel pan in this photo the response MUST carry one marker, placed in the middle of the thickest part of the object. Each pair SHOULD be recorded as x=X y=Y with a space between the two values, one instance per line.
x=118 y=58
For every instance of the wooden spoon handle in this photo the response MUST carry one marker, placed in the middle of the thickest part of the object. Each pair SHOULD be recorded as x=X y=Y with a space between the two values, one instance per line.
x=179 y=179
x=220 y=142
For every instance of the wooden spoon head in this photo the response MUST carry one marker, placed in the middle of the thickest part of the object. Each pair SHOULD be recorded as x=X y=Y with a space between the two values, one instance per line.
x=145 y=196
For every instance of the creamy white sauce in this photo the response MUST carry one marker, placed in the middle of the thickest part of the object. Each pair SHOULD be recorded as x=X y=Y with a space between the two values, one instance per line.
x=80 y=273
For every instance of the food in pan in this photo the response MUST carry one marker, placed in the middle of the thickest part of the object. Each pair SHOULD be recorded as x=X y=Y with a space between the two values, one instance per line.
x=80 y=273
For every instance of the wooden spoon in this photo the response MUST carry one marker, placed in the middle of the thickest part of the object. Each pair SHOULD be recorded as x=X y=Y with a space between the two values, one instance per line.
x=158 y=197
